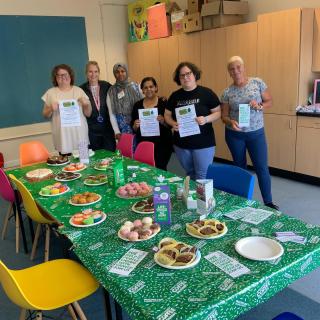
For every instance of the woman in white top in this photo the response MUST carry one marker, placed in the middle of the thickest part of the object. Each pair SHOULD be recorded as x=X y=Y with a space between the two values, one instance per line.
x=66 y=136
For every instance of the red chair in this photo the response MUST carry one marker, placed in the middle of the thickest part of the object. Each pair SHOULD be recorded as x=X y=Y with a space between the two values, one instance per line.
x=125 y=144
x=1 y=160
x=145 y=153
x=32 y=152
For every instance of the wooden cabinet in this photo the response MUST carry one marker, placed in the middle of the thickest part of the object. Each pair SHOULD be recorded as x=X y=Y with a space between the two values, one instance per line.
x=284 y=57
x=316 y=41
x=189 y=48
x=281 y=139
x=307 y=148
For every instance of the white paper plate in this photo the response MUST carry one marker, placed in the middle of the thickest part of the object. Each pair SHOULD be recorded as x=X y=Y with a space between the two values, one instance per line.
x=54 y=195
x=191 y=265
x=208 y=238
x=88 y=225
x=141 y=212
x=94 y=184
x=75 y=154
x=66 y=180
x=135 y=197
x=84 y=204
x=100 y=169
x=58 y=164
x=85 y=167
x=259 y=248
x=139 y=240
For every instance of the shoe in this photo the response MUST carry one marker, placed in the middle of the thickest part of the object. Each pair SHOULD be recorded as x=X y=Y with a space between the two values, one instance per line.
x=272 y=205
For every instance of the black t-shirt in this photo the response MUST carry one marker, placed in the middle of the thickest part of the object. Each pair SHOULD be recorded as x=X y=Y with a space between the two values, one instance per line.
x=165 y=132
x=204 y=99
x=100 y=128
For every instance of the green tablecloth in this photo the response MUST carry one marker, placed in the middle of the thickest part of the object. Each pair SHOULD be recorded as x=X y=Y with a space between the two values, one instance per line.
x=202 y=292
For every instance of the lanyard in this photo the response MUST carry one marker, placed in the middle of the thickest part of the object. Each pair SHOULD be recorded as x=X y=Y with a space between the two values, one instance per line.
x=96 y=96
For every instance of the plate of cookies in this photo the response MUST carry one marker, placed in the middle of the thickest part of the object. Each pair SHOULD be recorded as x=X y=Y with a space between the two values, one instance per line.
x=84 y=199
x=144 y=206
x=58 y=160
x=74 y=167
x=176 y=255
x=206 y=229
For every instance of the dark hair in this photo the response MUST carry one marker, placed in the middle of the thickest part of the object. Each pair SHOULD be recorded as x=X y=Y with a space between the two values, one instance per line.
x=55 y=71
x=144 y=80
x=195 y=70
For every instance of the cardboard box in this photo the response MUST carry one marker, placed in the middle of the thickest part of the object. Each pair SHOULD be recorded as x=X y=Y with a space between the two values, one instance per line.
x=205 y=199
x=192 y=22
x=177 y=22
x=159 y=25
x=194 y=6
x=218 y=14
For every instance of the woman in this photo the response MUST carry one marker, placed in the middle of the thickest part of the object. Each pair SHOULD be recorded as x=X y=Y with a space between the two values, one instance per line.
x=162 y=143
x=195 y=150
x=253 y=92
x=66 y=136
x=121 y=98
x=101 y=134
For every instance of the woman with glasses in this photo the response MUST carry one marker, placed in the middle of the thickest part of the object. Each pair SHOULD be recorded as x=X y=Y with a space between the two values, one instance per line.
x=101 y=134
x=66 y=136
x=162 y=142
x=240 y=137
x=196 y=108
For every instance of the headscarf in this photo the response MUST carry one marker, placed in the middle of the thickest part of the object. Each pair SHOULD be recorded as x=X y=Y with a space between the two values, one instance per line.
x=131 y=91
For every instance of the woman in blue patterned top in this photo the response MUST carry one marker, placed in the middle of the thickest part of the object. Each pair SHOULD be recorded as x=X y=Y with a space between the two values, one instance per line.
x=253 y=92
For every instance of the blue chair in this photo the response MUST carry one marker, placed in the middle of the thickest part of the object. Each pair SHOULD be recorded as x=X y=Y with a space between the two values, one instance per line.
x=287 y=316
x=231 y=179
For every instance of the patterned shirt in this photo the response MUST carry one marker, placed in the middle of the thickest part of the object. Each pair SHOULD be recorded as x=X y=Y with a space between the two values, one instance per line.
x=234 y=96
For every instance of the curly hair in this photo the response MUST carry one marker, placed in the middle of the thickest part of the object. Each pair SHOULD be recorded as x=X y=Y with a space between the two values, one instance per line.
x=195 y=70
x=55 y=70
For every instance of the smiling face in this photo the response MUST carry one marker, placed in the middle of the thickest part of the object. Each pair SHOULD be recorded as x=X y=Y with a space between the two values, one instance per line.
x=149 y=89
x=93 y=74
x=236 y=71
x=187 y=78
x=63 y=78
x=121 y=74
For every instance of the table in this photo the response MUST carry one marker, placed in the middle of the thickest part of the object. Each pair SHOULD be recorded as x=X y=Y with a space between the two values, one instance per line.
x=202 y=292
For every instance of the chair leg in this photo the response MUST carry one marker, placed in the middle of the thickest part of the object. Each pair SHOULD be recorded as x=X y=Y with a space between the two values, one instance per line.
x=35 y=241
x=47 y=243
x=5 y=222
x=71 y=312
x=23 y=313
x=39 y=315
x=17 y=233
x=79 y=310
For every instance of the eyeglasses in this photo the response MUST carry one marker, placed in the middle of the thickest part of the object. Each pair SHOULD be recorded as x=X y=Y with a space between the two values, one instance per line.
x=63 y=75
x=185 y=75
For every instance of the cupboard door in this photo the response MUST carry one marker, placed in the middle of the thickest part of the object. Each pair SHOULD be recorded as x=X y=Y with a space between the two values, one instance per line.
x=213 y=60
x=278 y=48
x=316 y=41
x=135 y=61
x=281 y=139
x=222 y=150
x=189 y=48
x=169 y=59
x=241 y=40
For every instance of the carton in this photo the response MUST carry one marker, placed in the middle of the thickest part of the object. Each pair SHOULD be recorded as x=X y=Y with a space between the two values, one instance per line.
x=205 y=199
x=162 y=204
x=115 y=174
x=192 y=22
x=194 y=6
x=216 y=14
x=159 y=25
x=177 y=22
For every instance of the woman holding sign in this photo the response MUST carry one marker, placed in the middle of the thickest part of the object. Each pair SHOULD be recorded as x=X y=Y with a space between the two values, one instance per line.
x=67 y=106
x=191 y=111
x=148 y=122
x=242 y=112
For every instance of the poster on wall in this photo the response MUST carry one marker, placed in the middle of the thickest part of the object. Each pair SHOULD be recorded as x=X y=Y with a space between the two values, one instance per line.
x=137 y=15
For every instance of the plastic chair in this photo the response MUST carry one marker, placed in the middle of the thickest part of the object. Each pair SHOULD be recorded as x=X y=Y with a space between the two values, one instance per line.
x=287 y=316
x=32 y=152
x=36 y=215
x=1 y=160
x=7 y=194
x=125 y=144
x=145 y=153
x=48 y=286
x=231 y=179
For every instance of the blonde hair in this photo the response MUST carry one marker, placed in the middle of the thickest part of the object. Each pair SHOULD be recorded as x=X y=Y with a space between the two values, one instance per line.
x=92 y=63
x=235 y=59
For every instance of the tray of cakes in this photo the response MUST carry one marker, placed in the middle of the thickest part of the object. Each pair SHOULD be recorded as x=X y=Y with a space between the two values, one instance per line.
x=103 y=164
x=57 y=160
x=206 y=229
x=87 y=218
x=176 y=255
x=74 y=167
x=67 y=176
x=39 y=175
x=134 y=190
x=95 y=180
x=54 y=190
x=84 y=199
x=139 y=230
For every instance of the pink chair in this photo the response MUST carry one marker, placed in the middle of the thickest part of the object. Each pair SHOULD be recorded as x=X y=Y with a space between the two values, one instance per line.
x=125 y=144
x=7 y=193
x=145 y=153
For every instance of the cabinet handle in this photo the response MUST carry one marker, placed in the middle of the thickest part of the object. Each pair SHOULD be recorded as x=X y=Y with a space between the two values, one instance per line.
x=290 y=124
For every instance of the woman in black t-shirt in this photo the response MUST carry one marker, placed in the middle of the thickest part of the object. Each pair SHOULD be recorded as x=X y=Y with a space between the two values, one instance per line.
x=193 y=139
x=162 y=143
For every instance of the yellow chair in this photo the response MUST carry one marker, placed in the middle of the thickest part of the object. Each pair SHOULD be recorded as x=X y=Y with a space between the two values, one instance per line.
x=36 y=215
x=48 y=286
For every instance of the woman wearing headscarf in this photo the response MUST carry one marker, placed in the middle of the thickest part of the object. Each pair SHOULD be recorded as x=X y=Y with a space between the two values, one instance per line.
x=121 y=98
x=101 y=134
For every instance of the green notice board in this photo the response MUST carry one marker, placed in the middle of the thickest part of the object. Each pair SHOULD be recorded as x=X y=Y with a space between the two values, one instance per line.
x=30 y=47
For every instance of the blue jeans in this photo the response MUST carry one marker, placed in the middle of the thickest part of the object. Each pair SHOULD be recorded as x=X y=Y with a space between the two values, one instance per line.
x=256 y=144
x=195 y=162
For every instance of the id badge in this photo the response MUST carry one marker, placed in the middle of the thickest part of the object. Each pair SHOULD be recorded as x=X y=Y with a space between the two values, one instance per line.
x=120 y=94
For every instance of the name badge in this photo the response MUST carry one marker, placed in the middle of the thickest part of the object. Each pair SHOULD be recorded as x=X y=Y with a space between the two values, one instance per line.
x=121 y=94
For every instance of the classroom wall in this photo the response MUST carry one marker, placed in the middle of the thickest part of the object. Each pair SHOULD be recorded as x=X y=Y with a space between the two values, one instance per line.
x=10 y=138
